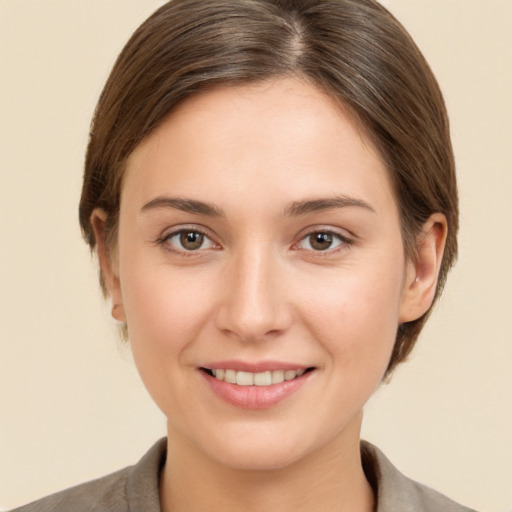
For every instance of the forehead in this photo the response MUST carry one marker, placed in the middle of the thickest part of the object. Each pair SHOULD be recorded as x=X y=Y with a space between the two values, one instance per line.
x=282 y=134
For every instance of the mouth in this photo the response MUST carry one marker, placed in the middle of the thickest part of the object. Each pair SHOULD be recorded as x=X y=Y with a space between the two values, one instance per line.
x=260 y=379
x=255 y=385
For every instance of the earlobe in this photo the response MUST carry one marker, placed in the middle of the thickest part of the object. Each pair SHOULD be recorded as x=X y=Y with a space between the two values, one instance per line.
x=108 y=263
x=422 y=273
x=117 y=312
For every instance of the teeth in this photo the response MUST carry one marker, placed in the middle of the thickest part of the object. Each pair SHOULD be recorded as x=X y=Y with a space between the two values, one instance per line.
x=244 y=378
x=229 y=376
x=256 y=379
x=289 y=375
x=263 y=379
x=277 y=376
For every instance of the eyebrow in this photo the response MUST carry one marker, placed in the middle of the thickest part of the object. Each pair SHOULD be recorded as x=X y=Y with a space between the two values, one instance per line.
x=185 y=205
x=298 y=208
x=294 y=209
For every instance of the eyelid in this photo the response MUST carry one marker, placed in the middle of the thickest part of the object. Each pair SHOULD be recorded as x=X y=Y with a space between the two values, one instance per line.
x=176 y=230
x=346 y=240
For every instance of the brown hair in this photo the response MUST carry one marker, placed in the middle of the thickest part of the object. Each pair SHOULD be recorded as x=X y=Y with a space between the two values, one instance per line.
x=354 y=50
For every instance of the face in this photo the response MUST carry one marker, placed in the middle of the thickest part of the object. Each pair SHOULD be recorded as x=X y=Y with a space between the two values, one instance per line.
x=261 y=272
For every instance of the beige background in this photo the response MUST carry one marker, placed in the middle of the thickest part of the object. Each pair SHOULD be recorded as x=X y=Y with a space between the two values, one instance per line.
x=71 y=405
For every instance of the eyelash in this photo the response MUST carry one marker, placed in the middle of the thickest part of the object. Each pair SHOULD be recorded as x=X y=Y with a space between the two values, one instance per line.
x=344 y=242
x=164 y=241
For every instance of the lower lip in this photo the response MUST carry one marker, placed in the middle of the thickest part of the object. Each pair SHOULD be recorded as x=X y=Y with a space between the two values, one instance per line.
x=255 y=397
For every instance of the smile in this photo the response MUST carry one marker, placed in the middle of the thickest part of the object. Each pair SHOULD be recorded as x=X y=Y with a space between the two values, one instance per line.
x=243 y=378
x=266 y=386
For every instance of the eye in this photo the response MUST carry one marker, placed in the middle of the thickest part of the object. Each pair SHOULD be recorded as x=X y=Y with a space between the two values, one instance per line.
x=188 y=240
x=322 y=241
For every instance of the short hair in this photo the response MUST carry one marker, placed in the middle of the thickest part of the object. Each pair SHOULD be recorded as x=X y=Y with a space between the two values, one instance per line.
x=353 y=50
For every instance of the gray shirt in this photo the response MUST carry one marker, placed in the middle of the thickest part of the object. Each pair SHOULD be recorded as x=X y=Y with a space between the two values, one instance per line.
x=135 y=489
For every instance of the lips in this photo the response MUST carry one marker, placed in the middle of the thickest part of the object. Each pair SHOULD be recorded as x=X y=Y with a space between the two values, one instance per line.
x=255 y=386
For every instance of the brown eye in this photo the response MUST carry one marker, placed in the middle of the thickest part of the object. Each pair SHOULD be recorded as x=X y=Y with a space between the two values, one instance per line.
x=188 y=240
x=191 y=240
x=323 y=241
x=320 y=241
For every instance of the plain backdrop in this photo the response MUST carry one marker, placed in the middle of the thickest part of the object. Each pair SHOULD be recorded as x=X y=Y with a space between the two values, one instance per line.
x=71 y=404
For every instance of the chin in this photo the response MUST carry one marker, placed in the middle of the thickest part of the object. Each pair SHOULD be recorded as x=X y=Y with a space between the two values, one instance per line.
x=259 y=450
x=259 y=459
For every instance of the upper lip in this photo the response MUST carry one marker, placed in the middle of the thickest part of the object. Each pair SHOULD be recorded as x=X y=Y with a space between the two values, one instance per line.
x=254 y=366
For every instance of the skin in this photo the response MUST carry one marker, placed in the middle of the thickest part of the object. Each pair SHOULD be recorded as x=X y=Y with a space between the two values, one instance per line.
x=257 y=290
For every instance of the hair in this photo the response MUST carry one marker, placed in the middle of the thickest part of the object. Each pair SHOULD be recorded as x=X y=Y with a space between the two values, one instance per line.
x=353 y=50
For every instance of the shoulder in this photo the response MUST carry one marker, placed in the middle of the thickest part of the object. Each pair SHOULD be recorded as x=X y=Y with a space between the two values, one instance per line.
x=104 y=493
x=397 y=492
x=131 y=488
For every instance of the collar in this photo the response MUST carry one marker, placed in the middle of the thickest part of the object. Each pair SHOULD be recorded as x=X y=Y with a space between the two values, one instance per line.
x=394 y=492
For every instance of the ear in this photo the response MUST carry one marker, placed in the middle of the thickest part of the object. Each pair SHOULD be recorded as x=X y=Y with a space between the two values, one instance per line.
x=108 y=263
x=422 y=273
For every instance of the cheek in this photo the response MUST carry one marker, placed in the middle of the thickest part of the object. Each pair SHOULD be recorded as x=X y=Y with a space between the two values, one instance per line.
x=356 y=318
x=165 y=314
x=165 y=308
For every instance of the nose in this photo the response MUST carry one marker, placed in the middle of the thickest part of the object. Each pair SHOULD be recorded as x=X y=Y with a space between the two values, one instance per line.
x=254 y=303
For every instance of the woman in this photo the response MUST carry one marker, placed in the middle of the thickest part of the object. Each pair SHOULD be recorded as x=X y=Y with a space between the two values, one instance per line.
x=270 y=189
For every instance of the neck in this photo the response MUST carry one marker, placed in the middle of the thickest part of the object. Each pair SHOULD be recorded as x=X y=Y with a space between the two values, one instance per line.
x=331 y=480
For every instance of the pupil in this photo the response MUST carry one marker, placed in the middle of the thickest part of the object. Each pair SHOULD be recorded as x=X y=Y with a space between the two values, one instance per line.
x=191 y=240
x=321 y=241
